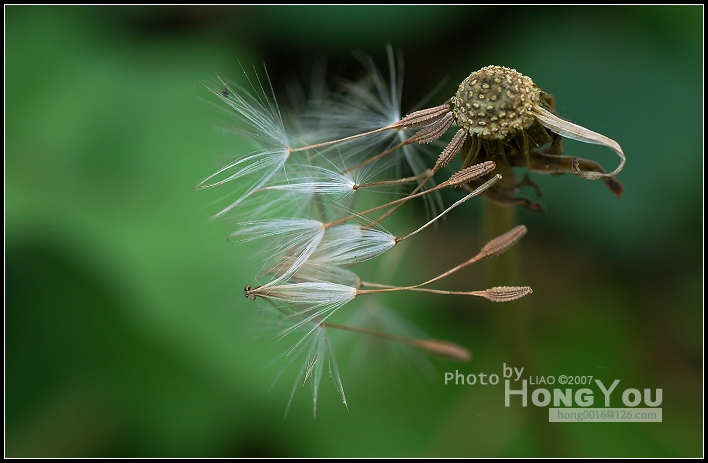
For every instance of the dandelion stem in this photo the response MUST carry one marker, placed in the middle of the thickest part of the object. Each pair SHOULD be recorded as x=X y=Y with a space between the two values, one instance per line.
x=514 y=323
x=497 y=219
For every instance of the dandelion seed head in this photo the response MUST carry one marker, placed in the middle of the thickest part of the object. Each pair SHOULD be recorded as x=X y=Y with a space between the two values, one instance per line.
x=495 y=102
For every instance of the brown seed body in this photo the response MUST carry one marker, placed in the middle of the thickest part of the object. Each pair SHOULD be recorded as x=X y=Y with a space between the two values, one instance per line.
x=495 y=102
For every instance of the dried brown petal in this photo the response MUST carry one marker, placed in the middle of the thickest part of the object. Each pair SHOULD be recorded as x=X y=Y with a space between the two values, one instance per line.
x=575 y=132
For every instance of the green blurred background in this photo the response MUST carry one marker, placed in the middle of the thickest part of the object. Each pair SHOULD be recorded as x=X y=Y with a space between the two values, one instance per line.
x=127 y=333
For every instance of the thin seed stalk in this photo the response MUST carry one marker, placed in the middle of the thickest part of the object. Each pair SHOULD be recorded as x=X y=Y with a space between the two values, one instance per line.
x=434 y=346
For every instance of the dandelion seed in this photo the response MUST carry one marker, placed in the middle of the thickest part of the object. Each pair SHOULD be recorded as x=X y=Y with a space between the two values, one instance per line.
x=313 y=302
x=298 y=239
x=451 y=150
x=469 y=174
x=337 y=247
x=315 y=180
x=315 y=270
x=502 y=243
x=349 y=244
x=260 y=121
x=320 y=352
x=505 y=293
